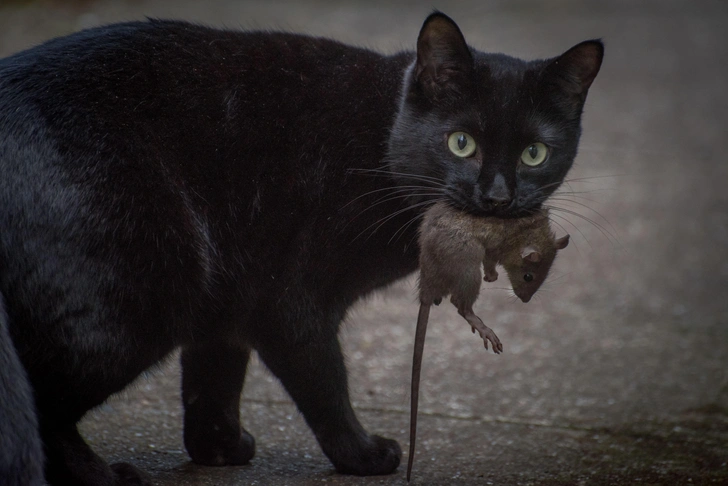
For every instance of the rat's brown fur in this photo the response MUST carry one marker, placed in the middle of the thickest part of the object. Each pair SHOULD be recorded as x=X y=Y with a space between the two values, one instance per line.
x=453 y=245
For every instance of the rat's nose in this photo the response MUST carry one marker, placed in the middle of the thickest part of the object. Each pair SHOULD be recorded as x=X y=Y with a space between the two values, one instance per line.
x=524 y=297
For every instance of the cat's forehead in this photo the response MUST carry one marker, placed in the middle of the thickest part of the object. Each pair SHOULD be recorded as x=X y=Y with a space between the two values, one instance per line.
x=491 y=67
x=507 y=98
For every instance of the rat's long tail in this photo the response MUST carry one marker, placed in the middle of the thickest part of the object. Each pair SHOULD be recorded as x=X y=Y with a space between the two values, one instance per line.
x=422 y=318
x=21 y=452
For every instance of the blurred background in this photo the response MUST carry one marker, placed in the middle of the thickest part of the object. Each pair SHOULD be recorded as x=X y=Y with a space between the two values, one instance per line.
x=617 y=373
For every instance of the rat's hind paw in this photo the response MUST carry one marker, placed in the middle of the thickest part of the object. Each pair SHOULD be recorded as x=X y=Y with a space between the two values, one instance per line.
x=488 y=335
x=485 y=332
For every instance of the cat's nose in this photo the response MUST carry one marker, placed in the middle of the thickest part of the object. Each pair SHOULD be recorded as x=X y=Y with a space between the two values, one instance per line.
x=497 y=202
x=498 y=195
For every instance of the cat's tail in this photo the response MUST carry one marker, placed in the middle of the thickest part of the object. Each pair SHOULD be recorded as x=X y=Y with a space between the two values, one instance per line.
x=21 y=450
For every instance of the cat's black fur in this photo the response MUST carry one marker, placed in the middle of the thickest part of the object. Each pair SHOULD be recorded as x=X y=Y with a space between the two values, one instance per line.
x=167 y=185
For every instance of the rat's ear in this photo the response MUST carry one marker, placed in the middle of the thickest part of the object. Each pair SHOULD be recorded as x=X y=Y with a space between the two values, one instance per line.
x=562 y=242
x=444 y=62
x=534 y=257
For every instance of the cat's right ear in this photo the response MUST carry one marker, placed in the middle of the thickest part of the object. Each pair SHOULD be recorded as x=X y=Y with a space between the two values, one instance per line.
x=574 y=71
x=444 y=63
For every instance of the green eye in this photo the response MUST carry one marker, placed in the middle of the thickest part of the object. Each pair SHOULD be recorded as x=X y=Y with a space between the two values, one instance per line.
x=461 y=144
x=534 y=154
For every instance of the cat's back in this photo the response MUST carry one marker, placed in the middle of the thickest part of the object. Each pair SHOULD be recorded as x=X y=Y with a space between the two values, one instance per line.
x=157 y=63
x=170 y=106
x=209 y=105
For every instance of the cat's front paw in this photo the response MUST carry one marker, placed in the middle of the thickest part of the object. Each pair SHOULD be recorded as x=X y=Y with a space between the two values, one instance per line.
x=376 y=457
x=210 y=451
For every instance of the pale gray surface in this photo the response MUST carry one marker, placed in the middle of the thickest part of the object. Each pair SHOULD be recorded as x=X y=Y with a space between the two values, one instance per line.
x=616 y=374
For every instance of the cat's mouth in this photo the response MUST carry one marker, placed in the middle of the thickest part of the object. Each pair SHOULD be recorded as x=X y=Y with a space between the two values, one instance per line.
x=496 y=211
x=512 y=208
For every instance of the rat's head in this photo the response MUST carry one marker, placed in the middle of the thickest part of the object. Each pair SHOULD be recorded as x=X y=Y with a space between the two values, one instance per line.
x=528 y=267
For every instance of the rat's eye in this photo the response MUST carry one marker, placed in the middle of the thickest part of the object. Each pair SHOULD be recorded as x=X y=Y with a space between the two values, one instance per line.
x=528 y=277
x=534 y=154
x=461 y=144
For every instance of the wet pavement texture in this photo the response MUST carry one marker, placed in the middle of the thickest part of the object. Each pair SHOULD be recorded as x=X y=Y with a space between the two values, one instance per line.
x=617 y=372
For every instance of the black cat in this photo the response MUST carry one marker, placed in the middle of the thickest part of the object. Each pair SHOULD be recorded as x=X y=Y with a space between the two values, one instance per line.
x=167 y=185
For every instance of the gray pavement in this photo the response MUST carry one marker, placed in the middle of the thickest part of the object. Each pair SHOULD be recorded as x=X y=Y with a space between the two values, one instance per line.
x=616 y=374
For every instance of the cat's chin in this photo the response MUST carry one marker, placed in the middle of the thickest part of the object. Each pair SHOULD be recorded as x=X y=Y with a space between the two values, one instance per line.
x=498 y=212
x=505 y=214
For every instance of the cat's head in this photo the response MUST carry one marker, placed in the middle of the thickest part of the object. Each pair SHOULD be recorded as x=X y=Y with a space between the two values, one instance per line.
x=492 y=134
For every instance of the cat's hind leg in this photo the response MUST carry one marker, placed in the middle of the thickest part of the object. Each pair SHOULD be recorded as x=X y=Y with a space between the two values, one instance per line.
x=66 y=387
x=310 y=365
x=71 y=461
x=213 y=374
x=21 y=452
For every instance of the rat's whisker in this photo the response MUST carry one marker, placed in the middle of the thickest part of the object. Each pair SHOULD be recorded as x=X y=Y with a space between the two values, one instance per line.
x=513 y=299
x=498 y=288
x=542 y=289
x=552 y=280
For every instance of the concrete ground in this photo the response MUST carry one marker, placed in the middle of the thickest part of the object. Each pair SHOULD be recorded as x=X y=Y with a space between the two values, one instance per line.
x=617 y=374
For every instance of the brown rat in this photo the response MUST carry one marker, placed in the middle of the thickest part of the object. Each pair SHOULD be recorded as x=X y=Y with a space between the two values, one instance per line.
x=453 y=245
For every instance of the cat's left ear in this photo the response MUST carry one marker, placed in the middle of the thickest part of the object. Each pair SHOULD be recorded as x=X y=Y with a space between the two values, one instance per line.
x=575 y=70
x=444 y=63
